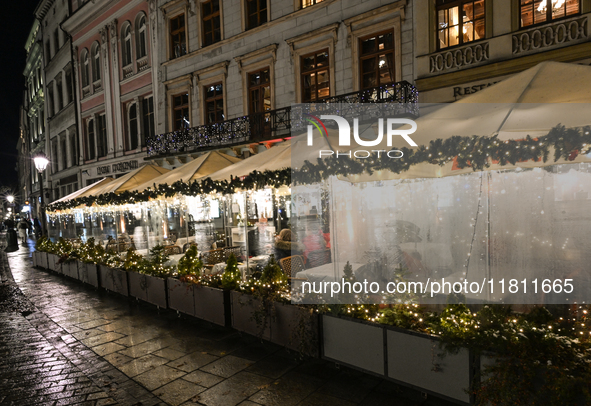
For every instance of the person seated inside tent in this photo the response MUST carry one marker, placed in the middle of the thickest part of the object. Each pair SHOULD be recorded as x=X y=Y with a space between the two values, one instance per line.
x=286 y=245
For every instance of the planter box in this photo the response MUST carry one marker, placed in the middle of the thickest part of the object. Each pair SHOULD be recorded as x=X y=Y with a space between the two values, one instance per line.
x=70 y=269
x=295 y=328
x=52 y=263
x=35 y=259
x=410 y=358
x=244 y=308
x=354 y=343
x=148 y=288
x=418 y=360
x=180 y=296
x=113 y=279
x=42 y=258
x=213 y=305
x=88 y=273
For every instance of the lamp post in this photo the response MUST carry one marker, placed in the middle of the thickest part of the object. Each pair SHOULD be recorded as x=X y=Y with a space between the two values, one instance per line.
x=11 y=237
x=41 y=163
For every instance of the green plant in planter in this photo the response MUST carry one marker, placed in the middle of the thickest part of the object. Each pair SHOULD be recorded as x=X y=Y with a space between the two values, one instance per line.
x=232 y=276
x=134 y=262
x=64 y=250
x=44 y=244
x=189 y=266
x=156 y=263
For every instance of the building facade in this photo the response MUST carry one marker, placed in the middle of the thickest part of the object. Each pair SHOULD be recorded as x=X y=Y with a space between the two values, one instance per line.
x=113 y=85
x=228 y=72
x=465 y=46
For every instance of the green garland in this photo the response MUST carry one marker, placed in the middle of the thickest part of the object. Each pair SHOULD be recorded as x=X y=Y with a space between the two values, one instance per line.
x=476 y=152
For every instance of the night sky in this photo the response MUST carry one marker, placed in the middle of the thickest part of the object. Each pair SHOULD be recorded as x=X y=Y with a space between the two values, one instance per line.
x=17 y=19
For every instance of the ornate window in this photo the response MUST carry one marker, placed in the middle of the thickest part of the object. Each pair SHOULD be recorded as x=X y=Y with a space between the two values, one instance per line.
x=90 y=151
x=210 y=14
x=96 y=62
x=534 y=12
x=101 y=144
x=84 y=67
x=178 y=39
x=256 y=13
x=376 y=60
x=459 y=22
x=259 y=91
x=126 y=44
x=141 y=37
x=133 y=129
x=214 y=103
x=180 y=111
x=315 y=76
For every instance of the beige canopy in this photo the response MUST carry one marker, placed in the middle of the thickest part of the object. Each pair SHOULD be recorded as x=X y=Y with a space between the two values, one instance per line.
x=90 y=188
x=529 y=103
x=198 y=168
x=129 y=181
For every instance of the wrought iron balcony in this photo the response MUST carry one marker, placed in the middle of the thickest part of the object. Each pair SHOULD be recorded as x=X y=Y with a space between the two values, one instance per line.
x=272 y=124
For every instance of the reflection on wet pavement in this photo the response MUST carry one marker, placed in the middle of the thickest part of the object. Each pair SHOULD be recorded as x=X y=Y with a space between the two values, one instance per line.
x=183 y=361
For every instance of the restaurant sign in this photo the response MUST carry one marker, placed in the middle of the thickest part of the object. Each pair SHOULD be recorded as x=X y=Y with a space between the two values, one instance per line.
x=118 y=167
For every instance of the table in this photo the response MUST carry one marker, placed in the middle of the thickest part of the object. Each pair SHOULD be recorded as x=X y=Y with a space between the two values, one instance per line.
x=219 y=268
x=326 y=272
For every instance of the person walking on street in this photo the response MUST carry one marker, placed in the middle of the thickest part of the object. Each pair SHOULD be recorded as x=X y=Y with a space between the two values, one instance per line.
x=23 y=226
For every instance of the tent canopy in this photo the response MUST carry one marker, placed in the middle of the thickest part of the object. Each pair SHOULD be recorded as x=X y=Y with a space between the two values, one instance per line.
x=529 y=103
x=129 y=181
x=198 y=168
x=90 y=188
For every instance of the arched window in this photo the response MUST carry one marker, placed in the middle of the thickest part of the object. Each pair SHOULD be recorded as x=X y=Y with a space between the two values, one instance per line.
x=96 y=62
x=141 y=37
x=133 y=127
x=84 y=67
x=126 y=44
x=90 y=140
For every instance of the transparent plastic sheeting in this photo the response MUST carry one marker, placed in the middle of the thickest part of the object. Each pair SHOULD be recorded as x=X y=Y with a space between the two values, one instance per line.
x=515 y=234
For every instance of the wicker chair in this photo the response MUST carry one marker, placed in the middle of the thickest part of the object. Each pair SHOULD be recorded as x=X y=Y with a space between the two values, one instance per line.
x=236 y=250
x=188 y=244
x=318 y=258
x=172 y=249
x=210 y=258
x=292 y=265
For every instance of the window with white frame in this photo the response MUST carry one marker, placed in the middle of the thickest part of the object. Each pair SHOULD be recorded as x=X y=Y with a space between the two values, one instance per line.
x=142 y=48
x=90 y=141
x=84 y=68
x=126 y=43
x=132 y=127
x=96 y=62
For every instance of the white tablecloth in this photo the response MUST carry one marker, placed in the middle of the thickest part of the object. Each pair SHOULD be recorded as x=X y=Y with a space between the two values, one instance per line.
x=326 y=272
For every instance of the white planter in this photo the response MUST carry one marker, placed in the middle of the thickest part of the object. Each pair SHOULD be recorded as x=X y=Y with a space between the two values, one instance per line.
x=148 y=288
x=180 y=296
x=114 y=279
x=212 y=305
x=88 y=273
x=418 y=360
x=70 y=269
x=53 y=264
x=42 y=258
x=35 y=259
x=354 y=343
x=295 y=328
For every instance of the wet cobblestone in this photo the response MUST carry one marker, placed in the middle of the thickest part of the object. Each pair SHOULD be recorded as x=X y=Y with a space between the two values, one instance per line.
x=79 y=345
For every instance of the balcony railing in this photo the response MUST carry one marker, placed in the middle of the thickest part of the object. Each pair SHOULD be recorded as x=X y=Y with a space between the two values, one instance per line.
x=401 y=96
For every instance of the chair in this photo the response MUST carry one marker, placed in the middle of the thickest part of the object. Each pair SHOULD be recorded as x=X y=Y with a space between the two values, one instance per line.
x=236 y=250
x=210 y=258
x=172 y=249
x=292 y=265
x=187 y=245
x=318 y=258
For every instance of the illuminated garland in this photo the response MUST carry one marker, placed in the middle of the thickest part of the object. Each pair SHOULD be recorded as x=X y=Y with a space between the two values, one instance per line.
x=476 y=152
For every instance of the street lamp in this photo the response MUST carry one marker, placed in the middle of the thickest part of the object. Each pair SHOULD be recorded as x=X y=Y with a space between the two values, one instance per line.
x=41 y=163
x=10 y=198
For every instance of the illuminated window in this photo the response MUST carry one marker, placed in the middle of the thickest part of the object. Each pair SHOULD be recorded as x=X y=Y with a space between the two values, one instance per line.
x=308 y=3
x=534 y=12
x=315 y=76
x=459 y=22
x=376 y=60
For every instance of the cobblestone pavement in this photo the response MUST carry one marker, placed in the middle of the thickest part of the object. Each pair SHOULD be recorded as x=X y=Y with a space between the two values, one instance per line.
x=72 y=344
